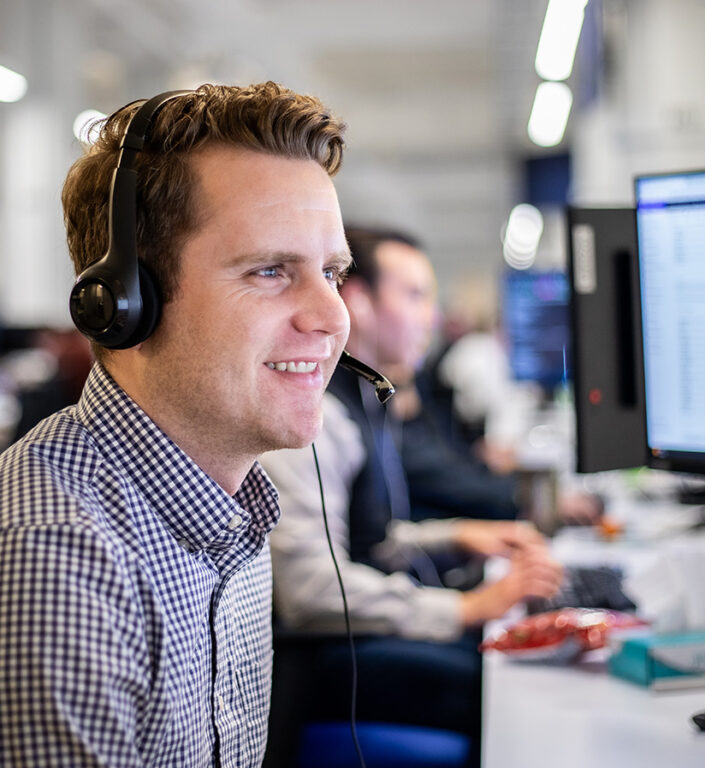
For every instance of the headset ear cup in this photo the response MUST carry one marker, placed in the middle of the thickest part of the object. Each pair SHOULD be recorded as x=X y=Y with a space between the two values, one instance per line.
x=151 y=308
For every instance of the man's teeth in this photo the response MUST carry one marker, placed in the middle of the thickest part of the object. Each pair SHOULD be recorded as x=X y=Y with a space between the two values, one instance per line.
x=292 y=367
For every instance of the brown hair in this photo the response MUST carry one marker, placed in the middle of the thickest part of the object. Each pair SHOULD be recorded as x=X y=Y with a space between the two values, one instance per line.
x=266 y=117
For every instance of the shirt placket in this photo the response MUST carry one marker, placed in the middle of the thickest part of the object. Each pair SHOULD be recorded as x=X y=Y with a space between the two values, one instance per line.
x=242 y=677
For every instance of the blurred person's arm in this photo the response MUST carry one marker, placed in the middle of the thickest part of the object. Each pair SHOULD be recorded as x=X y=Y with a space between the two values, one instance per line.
x=474 y=537
x=532 y=570
x=532 y=573
x=491 y=538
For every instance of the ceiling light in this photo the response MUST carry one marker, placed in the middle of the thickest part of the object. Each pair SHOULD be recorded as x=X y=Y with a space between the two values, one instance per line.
x=13 y=85
x=522 y=235
x=559 y=38
x=549 y=114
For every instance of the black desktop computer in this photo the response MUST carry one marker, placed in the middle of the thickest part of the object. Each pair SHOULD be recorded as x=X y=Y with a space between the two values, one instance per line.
x=606 y=339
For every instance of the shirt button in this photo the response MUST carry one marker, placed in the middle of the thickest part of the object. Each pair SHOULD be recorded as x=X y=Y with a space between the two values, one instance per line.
x=221 y=702
x=235 y=522
x=184 y=544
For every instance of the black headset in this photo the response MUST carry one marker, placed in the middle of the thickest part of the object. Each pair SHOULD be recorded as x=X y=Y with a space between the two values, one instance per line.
x=115 y=302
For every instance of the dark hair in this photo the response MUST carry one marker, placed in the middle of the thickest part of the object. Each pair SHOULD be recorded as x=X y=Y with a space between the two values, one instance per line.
x=266 y=117
x=363 y=243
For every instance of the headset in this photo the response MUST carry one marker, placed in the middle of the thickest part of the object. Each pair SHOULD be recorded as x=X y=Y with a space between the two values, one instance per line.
x=115 y=301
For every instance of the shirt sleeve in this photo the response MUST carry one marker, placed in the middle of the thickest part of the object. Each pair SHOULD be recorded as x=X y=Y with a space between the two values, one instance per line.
x=429 y=535
x=306 y=591
x=73 y=672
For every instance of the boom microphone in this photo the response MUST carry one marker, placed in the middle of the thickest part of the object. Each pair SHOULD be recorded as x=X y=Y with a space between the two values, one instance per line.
x=384 y=388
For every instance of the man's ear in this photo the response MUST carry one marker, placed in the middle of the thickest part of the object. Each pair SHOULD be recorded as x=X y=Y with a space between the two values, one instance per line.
x=358 y=299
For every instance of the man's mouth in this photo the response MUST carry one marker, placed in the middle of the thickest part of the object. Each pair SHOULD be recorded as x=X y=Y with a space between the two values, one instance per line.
x=293 y=367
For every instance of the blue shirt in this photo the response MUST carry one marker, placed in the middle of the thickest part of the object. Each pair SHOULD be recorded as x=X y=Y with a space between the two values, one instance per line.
x=134 y=597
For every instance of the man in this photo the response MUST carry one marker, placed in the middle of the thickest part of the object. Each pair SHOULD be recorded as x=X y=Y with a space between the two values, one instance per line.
x=134 y=596
x=417 y=659
x=442 y=480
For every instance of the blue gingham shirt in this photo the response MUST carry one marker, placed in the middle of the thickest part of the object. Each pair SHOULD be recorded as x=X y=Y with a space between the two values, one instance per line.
x=135 y=597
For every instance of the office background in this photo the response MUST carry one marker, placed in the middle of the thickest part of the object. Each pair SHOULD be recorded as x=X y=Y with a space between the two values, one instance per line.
x=437 y=96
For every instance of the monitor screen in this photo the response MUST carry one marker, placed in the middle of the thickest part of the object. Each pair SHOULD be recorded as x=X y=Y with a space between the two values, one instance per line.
x=535 y=324
x=670 y=216
x=606 y=339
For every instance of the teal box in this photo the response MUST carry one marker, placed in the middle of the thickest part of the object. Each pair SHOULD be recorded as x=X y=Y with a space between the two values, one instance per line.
x=662 y=662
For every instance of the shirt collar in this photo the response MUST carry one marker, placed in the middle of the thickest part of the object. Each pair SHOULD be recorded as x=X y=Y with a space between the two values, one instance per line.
x=195 y=509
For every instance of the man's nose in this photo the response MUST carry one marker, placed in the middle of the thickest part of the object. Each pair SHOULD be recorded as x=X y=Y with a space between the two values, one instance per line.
x=321 y=309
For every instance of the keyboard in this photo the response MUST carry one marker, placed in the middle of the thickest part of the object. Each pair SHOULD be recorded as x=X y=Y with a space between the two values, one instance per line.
x=586 y=587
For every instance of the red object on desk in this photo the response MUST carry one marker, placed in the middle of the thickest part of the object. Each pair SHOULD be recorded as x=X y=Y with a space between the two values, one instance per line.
x=573 y=629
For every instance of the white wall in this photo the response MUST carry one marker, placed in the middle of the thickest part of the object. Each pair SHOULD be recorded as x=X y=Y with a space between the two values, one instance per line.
x=651 y=115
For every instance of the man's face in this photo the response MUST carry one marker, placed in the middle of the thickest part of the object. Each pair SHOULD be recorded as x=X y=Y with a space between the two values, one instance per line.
x=405 y=304
x=246 y=348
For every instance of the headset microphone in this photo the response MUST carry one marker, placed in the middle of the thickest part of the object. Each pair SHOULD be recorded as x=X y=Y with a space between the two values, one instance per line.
x=384 y=389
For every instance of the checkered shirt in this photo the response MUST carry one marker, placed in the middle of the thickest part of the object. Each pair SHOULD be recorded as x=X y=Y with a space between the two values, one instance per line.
x=135 y=597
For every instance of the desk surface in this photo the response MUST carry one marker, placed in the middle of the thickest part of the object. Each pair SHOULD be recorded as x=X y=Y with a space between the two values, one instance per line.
x=579 y=716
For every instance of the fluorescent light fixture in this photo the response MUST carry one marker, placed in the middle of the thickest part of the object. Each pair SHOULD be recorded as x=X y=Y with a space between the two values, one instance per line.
x=549 y=115
x=522 y=235
x=559 y=38
x=84 y=126
x=13 y=85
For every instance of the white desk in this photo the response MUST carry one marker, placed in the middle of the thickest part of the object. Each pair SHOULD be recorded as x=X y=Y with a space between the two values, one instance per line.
x=579 y=716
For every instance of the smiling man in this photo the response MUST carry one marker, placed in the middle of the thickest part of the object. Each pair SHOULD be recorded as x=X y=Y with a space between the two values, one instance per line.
x=244 y=350
x=135 y=588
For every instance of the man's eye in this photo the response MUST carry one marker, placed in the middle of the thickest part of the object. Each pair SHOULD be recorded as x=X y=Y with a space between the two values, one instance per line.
x=268 y=271
x=334 y=275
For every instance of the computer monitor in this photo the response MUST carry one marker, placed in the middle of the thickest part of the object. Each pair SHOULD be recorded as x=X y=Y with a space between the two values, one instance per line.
x=606 y=339
x=670 y=218
x=535 y=324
